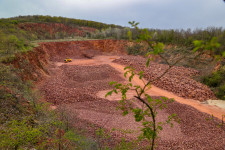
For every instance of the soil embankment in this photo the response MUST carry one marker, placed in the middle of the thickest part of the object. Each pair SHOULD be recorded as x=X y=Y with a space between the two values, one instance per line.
x=33 y=63
x=78 y=88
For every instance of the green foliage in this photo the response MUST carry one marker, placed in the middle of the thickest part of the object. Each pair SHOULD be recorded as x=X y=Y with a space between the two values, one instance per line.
x=216 y=79
x=19 y=133
x=129 y=34
x=41 y=129
x=12 y=40
x=185 y=38
x=136 y=49
x=111 y=33
x=208 y=48
x=80 y=141
x=216 y=82
x=13 y=92
x=125 y=145
x=220 y=92
x=213 y=80
x=67 y=21
x=102 y=138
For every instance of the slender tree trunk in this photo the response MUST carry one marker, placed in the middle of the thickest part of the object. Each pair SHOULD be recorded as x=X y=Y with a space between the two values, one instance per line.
x=60 y=139
x=16 y=147
x=154 y=129
x=153 y=118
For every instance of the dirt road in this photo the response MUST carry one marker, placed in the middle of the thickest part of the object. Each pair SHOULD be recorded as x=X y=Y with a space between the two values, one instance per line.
x=79 y=88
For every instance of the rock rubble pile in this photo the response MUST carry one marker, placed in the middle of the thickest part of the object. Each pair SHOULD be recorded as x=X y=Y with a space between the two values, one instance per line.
x=78 y=83
x=178 y=80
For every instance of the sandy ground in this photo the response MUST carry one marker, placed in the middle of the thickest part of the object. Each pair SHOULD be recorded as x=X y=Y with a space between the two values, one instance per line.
x=218 y=103
x=79 y=88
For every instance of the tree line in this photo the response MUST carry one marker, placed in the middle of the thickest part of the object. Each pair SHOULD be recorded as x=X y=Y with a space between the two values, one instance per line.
x=67 y=21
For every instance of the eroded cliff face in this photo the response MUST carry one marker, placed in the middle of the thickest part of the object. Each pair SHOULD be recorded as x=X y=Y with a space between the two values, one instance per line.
x=78 y=49
x=32 y=65
x=55 y=30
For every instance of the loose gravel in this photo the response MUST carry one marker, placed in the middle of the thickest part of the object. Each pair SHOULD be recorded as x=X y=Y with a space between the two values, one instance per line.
x=177 y=80
x=70 y=84
x=198 y=131
x=74 y=88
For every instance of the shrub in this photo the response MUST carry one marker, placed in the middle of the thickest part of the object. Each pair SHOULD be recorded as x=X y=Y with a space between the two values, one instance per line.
x=221 y=92
x=213 y=80
x=136 y=49
x=216 y=82
x=18 y=133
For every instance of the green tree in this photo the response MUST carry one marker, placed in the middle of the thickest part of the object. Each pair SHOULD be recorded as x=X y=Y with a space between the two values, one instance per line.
x=129 y=34
x=148 y=113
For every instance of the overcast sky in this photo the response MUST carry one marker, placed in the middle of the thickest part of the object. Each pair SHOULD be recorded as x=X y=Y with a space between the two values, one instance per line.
x=160 y=14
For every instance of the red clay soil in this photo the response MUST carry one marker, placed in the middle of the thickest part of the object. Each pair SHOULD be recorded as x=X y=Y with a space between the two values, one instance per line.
x=33 y=63
x=76 y=49
x=73 y=87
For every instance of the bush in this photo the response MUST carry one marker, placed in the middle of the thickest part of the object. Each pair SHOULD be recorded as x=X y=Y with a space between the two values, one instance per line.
x=213 y=80
x=13 y=92
x=136 y=49
x=221 y=92
x=216 y=82
x=19 y=133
